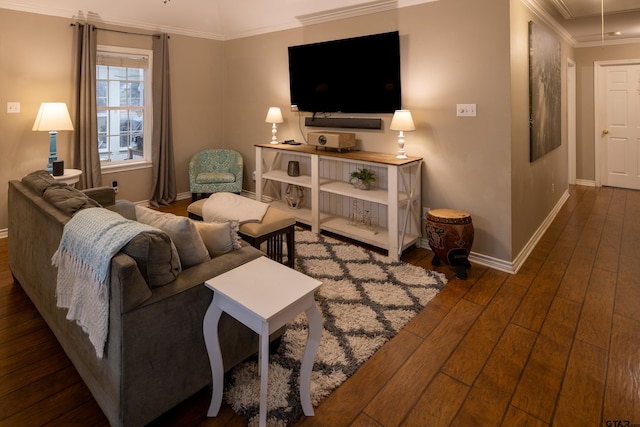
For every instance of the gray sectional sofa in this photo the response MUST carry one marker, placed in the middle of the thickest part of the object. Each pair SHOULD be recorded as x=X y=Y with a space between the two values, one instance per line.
x=154 y=356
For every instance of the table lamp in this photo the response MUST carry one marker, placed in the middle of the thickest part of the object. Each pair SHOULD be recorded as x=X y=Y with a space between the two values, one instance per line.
x=52 y=117
x=403 y=122
x=274 y=115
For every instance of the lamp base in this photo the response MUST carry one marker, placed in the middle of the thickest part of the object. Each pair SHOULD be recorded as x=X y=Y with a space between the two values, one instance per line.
x=53 y=155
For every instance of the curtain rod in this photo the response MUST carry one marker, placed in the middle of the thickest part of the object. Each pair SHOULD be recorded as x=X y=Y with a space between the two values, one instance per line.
x=120 y=31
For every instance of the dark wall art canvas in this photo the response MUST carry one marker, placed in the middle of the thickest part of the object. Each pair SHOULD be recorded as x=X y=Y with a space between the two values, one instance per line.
x=544 y=91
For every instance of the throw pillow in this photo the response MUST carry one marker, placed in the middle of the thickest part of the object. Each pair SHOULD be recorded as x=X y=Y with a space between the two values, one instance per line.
x=181 y=230
x=68 y=199
x=156 y=256
x=40 y=180
x=219 y=237
x=124 y=208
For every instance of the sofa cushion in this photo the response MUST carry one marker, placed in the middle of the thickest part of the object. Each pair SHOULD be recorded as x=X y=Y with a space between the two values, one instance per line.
x=68 y=199
x=214 y=177
x=219 y=238
x=124 y=208
x=156 y=257
x=40 y=180
x=182 y=232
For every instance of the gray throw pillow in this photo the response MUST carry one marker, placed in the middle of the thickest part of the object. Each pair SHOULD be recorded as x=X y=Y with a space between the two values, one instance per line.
x=156 y=257
x=181 y=230
x=68 y=199
x=40 y=180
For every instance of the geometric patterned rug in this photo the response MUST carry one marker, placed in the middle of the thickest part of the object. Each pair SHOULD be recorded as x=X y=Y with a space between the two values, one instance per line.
x=365 y=299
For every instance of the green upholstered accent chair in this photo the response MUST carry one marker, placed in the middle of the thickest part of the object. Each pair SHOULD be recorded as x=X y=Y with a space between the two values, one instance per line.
x=214 y=171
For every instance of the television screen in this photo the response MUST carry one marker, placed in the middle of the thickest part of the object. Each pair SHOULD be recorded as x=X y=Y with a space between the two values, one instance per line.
x=355 y=75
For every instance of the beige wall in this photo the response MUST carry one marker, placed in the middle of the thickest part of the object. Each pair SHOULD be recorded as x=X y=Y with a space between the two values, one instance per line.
x=458 y=51
x=585 y=132
x=536 y=186
x=36 y=66
x=466 y=160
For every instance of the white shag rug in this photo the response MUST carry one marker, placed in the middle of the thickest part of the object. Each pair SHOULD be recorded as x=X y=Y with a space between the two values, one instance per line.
x=365 y=299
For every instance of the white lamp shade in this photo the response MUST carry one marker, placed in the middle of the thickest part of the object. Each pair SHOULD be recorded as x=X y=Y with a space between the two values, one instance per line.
x=53 y=116
x=403 y=121
x=274 y=115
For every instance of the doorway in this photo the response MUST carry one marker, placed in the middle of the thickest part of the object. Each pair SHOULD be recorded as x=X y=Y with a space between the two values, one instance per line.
x=617 y=123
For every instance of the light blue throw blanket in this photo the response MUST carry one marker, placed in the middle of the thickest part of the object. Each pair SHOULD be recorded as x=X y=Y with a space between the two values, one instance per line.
x=89 y=241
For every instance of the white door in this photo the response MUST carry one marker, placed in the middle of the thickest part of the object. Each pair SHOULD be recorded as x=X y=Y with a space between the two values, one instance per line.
x=620 y=122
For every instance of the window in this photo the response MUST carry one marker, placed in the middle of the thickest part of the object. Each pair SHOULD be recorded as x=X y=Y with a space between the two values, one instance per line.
x=123 y=99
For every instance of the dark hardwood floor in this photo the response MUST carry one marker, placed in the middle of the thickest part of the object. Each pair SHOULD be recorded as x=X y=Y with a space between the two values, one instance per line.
x=556 y=344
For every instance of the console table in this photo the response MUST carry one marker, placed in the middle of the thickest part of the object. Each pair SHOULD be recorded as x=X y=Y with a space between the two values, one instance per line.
x=387 y=216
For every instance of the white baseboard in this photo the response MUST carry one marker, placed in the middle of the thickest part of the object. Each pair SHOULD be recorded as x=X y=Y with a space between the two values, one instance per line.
x=526 y=251
x=513 y=266
x=487 y=261
x=4 y=233
x=585 y=182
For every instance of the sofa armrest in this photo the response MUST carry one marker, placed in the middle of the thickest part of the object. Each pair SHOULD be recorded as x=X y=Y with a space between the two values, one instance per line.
x=106 y=196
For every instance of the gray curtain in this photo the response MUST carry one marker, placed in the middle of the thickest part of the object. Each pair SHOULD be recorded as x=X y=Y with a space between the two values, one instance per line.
x=85 y=139
x=163 y=189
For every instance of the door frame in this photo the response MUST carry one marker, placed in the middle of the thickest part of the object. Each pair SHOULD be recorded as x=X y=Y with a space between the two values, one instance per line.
x=571 y=119
x=598 y=109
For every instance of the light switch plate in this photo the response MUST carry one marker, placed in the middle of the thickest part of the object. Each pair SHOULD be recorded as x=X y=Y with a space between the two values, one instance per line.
x=466 y=110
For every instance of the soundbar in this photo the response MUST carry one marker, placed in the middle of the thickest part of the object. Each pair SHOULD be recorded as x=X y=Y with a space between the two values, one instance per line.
x=343 y=122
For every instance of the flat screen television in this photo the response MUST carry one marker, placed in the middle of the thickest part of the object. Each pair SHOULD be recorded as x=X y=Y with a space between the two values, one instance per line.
x=355 y=75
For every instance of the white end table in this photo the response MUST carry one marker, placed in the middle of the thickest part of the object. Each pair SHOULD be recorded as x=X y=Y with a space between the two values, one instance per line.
x=264 y=295
x=69 y=176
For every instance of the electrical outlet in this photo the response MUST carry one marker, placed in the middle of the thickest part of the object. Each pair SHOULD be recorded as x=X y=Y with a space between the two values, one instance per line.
x=253 y=176
x=13 y=107
x=114 y=184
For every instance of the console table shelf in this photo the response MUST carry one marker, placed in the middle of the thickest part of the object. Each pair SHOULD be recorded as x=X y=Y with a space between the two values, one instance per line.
x=387 y=216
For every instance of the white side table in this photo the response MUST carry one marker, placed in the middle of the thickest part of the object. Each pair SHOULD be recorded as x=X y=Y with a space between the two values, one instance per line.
x=69 y=176
x=264 y=295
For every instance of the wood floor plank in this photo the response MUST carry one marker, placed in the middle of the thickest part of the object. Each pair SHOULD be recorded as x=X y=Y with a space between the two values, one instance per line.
x=533 y=309
x=489 y=397
x=517 y=417
x=576 y=278
x=38 y=390
x=594 y=326
x=50 y=409
x=400 y=393
x=439 y=403
x=622 y=388
x=486 y=287
x=580 y=400
x=608 y=253
x=345 y=403
x=539 y=386
x=468 y=359
x=628 y=287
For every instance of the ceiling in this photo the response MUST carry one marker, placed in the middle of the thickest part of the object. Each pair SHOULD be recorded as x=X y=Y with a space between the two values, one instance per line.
x=583 y=19
x=229 y=19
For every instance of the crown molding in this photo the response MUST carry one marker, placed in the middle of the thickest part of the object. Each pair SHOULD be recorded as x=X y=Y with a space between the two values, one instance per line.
x=539 y=11
x=73 y=15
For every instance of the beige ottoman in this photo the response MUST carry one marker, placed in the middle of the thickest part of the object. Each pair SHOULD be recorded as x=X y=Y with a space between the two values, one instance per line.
x=274 y=226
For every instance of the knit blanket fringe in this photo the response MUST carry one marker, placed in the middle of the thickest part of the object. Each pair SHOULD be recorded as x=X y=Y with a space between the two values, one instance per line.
x=89 y=241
